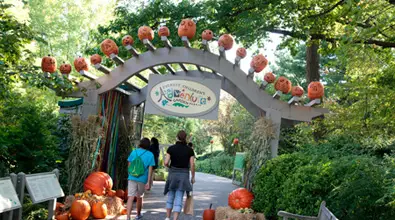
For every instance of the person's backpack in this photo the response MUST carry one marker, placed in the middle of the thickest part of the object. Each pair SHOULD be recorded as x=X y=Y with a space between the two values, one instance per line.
x=137 y=167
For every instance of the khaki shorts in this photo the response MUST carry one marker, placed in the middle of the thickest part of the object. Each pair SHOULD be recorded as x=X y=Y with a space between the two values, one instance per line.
x=136 y=188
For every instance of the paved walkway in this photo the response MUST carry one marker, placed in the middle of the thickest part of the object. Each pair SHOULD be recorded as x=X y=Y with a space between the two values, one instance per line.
x=207 y=189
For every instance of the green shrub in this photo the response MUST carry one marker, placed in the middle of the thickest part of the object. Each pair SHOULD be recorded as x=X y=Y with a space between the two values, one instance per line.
x=352 y=186
x=221 y=165
x=209 y=155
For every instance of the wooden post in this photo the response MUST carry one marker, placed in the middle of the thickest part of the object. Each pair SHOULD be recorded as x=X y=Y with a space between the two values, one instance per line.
x=275 y=117
x=20 y=190
x=52 y=203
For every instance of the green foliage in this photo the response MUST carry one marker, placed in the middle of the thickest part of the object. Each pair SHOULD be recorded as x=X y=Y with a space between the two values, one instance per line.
x=340 y=171
x=220 y=165
x=34 y=211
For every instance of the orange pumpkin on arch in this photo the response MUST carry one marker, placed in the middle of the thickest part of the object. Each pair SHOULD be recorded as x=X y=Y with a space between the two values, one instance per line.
x=95 y=59
x=258 y=63
x=48 y=64
x=283 y=84
x=315 y=90
x=109 y=47
x=80 y=64
x=164 y=31
x=225 y=41
x=297 y=91
x=269 y=77
x=145 y=32
x=127 y=40
x=187 y=28
x=207 y=35
x=65 y=68
x=241 y=52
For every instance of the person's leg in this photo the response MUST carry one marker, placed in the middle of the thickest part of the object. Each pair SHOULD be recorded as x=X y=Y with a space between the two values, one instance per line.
x=139 y=205
x=178 y=203
x=169 y=203
x=140 y=195
x=132 y=192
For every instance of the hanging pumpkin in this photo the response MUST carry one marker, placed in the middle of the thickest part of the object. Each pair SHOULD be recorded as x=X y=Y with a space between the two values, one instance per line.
x=80 y=210
x=269 y=77
x=62 y=216
x=109 y=47
x=164 y=31
x=315 y=90
x=225 y=41
x=258 y=63
x=127 y=40
x=240 y=198
x=95 y=59
x=99 y=210
x=65 y=68
x=235 y=141
x=98 y=183
x=241 y=52
x=48 y=64
x=207 y=35
x=209 y=214
x=145 y=32
x=211 y=141
x=283 y=84
x=297 y=91
x=187 y=28
x=80 y=64
x=120 y=193
x=111 y=193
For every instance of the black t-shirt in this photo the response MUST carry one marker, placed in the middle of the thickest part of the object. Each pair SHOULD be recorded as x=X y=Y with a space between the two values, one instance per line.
x=180 y=155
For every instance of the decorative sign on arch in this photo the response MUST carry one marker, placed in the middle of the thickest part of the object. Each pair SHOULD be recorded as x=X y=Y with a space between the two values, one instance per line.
x=183 y=96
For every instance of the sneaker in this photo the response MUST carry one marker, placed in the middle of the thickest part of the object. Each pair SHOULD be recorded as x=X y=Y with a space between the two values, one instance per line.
x=138 y=217
x=167 y=219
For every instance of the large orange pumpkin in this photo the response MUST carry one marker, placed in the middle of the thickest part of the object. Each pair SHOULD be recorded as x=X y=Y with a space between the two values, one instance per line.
x=95 y=59
x=187 y=28
x=241 y=52
x=145 y=32
x=80 y=64
x=297 y=91
x=164 y=31
x=63 y=216
x=258 y=63
x=269 y=77
x=98 y=183
x=120 y=193
x=283 y=84
x=127 y=40
x=240 y=198
x=65 y=68
x=225 y=41
x=48 y=64
x=209 y=214
x=109 y=47
x=99 y=210
x=315 y=90
x=80 y=210
x=207 y=35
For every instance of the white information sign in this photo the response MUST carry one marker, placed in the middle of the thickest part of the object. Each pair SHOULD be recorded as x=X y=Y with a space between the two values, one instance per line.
x=43 y=187
x=8 y=197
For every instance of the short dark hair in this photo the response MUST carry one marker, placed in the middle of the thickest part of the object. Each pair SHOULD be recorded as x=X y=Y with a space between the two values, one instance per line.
x=182 y=136
x=190 y=144
x=144 y=143
x=155 y=141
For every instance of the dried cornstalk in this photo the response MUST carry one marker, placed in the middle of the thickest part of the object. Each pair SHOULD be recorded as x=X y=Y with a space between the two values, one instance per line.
x=259 y=151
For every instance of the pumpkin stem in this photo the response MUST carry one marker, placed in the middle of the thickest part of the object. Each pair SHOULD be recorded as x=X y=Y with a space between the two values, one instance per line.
x=211 y=205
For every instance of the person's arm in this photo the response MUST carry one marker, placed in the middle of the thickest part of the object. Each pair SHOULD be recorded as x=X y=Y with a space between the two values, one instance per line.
x=192 y=164
x=149 y=177
x=167 y=160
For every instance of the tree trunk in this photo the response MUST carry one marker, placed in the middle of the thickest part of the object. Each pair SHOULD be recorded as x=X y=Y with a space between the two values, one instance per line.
x=312 y=61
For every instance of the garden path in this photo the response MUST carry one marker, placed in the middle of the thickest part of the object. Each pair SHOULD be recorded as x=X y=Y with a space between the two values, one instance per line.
x=207 y=189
